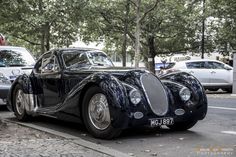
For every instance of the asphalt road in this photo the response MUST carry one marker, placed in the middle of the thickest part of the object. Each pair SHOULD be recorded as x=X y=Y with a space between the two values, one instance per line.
x=213 y=136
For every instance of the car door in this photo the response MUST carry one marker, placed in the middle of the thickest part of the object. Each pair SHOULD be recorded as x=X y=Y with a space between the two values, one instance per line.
x=220 y=75
x=198 y=69
x=50 y=80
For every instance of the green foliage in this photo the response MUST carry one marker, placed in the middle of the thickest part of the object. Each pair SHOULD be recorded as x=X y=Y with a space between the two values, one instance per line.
x=41 y=23
x=174 y=25
x=224 y=13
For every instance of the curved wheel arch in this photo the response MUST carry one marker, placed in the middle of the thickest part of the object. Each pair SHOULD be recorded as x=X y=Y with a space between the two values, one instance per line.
x=109 y=131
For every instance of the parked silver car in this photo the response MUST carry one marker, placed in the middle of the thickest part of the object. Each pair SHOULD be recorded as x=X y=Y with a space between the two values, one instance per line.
x=14 y=61
x=211 y=73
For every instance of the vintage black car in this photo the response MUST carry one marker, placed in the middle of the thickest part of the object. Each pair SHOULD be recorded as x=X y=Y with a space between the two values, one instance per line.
x=82 y=85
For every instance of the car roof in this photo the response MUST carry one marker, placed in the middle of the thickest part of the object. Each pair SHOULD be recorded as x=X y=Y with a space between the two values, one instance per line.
x=76 y=48
x=59 y=51
x=198 y=60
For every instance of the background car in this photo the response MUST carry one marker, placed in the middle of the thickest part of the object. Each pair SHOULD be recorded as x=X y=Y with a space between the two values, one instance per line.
x=82 y=85
x=211 y=73
x=5 y=85
x=14 y=61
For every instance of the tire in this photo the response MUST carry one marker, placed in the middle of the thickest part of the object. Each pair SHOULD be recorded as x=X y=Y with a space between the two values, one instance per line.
x=182 y=126
x=228 y=90
x=19 y=104
x=96 y=115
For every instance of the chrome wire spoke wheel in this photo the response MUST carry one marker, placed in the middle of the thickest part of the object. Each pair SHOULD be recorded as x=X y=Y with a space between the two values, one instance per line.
x=20 y=102
x=99 y=114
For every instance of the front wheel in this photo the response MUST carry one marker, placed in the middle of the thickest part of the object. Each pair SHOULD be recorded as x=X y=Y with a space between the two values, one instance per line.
x=19 y=102
x=96 y=114
x=182 y=126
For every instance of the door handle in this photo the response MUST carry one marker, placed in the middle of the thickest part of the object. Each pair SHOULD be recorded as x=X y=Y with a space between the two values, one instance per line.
x=213 y=72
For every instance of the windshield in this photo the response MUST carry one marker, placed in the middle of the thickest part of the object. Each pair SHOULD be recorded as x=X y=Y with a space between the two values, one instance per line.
x=75 y=59
x=15 y=57
x=99 y=58
x=169 y=65
x=79 y=59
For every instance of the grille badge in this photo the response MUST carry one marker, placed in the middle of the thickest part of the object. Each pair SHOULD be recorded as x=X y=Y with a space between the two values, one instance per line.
x=138 y=115
x=179 y=112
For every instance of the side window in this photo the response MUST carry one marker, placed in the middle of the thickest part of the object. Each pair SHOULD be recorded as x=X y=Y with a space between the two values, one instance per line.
x=38 y=66
x=215 y=65
x=49 y=64
x=195 y=65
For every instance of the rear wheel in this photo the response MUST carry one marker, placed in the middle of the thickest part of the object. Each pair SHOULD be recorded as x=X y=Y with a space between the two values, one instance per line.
x=96 y=114
x=182 y=126
x=19 y=102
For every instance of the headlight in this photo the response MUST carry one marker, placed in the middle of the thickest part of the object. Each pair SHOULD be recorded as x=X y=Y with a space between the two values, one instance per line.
x=3 y=79
x=185 y=94
x=135 y=96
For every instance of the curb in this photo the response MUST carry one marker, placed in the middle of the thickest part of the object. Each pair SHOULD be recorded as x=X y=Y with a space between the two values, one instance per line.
x=77 y=140
x=222 y=96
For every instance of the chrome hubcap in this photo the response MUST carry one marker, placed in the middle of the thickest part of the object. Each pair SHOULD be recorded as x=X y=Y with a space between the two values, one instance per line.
x=98 y=110
x=20 y=101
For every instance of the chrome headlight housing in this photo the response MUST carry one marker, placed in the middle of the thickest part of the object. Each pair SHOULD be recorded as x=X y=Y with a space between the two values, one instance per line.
x=3 y=79
x=185 y=94
x=135 y=96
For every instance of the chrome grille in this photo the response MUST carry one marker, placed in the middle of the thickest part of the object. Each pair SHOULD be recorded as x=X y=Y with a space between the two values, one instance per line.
x=155 y=94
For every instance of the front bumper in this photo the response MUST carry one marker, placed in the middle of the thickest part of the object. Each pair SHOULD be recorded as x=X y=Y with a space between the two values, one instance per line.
x=4 y=89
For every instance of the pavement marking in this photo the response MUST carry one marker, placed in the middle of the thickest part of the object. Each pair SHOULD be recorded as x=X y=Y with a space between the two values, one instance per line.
x=223 y=108
x=229 y=132
x=90 y=145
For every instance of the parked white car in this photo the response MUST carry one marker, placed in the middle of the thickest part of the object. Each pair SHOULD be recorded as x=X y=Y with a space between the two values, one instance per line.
x=14 y=61
x=211 y=73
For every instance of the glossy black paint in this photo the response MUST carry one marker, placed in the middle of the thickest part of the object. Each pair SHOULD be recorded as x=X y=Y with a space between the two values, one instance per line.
x=60 y=94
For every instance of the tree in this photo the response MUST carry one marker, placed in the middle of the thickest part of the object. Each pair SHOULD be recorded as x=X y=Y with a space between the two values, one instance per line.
x=110 y=21
x=42 y=22
x=224 y=13
x=168 y=28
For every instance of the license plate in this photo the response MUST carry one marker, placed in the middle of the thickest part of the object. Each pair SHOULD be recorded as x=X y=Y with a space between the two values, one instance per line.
x=161 y=121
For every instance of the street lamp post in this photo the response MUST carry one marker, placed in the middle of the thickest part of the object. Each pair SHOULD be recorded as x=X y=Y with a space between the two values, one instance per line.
x=234 y=74
x=203 y=29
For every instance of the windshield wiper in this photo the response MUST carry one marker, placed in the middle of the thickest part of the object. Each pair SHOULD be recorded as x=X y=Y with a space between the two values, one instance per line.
x=16 y=65
x=99 y=64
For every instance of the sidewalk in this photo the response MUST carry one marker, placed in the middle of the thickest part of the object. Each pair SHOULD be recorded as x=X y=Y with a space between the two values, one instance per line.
x=19 y=141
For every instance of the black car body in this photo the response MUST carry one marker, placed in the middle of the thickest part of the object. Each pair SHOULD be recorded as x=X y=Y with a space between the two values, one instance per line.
x=80 y=84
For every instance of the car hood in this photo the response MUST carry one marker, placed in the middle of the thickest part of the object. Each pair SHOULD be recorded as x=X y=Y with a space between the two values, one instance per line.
x=105 y=69
x=118 y=72
x=12 y=72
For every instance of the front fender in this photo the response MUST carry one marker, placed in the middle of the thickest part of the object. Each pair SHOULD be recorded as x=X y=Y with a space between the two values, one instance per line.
x=114 y=90
x=188 y=80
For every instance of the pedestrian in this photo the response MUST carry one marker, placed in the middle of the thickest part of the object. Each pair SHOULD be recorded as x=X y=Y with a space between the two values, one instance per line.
x=2 y=40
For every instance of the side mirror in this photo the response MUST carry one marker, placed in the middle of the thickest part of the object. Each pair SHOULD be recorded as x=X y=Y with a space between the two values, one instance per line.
x=227 y=68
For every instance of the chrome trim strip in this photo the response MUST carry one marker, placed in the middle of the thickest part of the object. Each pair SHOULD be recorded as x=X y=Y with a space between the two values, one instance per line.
x=31 y=105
